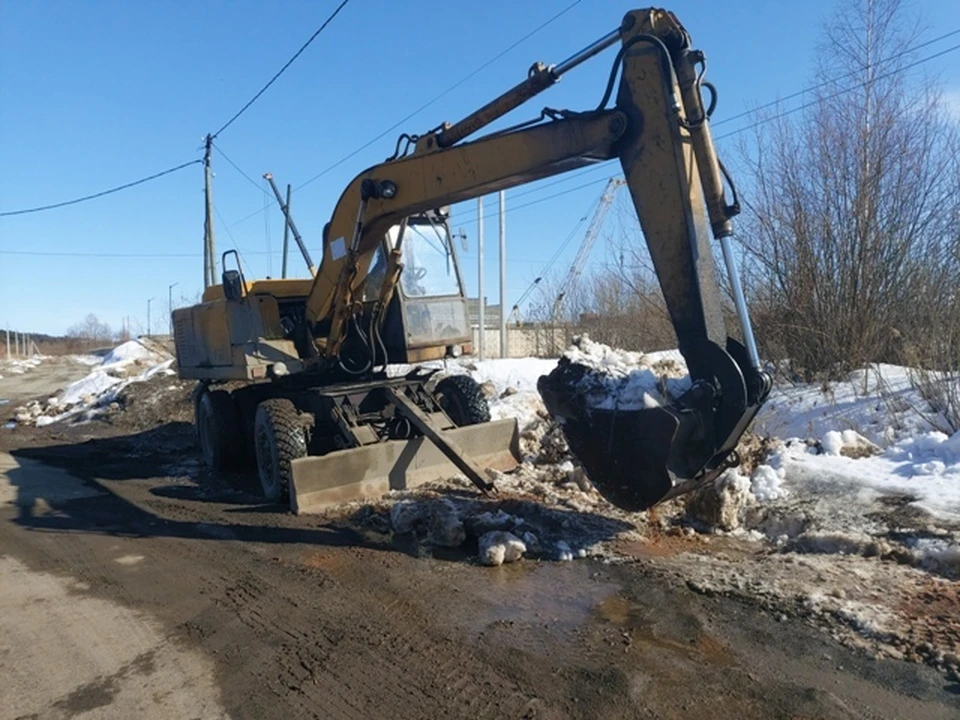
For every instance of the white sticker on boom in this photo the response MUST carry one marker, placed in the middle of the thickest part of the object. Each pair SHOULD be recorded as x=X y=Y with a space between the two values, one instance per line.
x=338 y=248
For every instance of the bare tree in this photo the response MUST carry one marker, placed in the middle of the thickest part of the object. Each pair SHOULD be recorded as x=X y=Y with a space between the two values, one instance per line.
x=851 y=204
x=91 y=331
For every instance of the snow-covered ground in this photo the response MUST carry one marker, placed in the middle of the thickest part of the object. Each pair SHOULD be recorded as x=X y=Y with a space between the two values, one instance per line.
x=127 y=363
x=20 y=366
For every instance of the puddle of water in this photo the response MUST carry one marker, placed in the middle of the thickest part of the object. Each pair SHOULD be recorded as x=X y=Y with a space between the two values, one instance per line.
x=3 y=402
x=560 y=596
x=517 y=602
x=10 y=425
x=638 y=622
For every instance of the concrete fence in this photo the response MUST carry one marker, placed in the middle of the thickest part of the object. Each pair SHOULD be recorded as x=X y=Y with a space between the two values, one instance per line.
x=524 y=341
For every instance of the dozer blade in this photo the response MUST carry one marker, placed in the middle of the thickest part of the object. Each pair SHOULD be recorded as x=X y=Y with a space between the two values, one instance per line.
x=320 y=482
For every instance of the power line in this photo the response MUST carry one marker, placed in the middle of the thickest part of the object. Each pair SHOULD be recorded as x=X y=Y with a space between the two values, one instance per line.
x=573 y=175
x=236 y=167
x=94 y=196
x=41 y=253
x=281 y=70
x=513 y=208
x=423 y=107
x=252 y=252
x=443 y=94
x=825 y=83
x=837 y=94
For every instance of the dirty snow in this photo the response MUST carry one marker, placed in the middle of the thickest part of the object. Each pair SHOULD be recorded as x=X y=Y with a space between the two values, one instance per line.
x=21 y=366
x=127 y=363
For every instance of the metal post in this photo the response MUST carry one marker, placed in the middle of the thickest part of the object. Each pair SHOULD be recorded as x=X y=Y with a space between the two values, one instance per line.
x=286 y=234
x=209 y=247
x=290 y=224
x=481 y=298
x=148 y=316
x=503 y=274
x=170 y=304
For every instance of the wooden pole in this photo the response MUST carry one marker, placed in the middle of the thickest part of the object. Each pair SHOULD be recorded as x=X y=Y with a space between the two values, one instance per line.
x=209 y=246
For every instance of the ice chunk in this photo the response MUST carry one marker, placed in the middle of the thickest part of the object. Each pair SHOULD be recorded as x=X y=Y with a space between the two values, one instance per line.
x=564 y=552
x=766 y=483
x=498 y=547
x=832 y=442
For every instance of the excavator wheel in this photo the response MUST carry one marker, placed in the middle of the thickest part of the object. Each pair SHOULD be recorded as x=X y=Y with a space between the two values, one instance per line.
x=218 y=430
x=463 y=400
x=278 y=439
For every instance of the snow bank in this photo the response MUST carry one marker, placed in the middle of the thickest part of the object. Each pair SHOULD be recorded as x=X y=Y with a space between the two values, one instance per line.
x=925 y=469
x=513 y=383
x=128 y=352
x=127 y=363
x=881 y=403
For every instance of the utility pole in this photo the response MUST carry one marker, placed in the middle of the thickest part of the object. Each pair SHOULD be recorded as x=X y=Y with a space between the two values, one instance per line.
x=481 y=299
x=170 y=304
x=148 y=315
x=209 y=247
x=8 y=343
x=286 y=235
x=503 y=274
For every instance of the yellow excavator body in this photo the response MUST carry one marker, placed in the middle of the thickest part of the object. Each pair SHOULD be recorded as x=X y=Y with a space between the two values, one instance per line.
x=316 y=406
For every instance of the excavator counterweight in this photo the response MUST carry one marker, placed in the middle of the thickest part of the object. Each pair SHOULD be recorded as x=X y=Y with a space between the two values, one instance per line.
x=317 y=404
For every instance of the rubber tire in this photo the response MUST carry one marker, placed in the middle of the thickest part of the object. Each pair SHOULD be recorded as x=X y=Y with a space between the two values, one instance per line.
x=278 y=438
x=219 y=431
x=462 y=398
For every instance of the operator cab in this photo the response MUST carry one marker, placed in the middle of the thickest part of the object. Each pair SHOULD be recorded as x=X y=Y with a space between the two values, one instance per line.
x=429 y=297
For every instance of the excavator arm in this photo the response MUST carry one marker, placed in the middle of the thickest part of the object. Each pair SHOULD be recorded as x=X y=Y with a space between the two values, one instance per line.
x=658 y=127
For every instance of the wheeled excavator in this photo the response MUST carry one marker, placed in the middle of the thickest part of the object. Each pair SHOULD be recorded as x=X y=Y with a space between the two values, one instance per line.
x=297 y=376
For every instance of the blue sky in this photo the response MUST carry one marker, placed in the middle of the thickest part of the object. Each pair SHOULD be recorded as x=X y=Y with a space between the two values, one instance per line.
x=95 y=94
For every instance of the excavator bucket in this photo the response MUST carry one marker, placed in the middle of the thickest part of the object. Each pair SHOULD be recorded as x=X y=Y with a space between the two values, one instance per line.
x=637 y=458
x=370 y=471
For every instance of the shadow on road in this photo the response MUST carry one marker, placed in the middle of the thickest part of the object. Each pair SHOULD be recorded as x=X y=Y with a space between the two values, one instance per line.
x=111 y=486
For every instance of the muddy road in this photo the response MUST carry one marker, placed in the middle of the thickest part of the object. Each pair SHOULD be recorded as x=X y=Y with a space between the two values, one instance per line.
x=39 y=382
x=132 y=584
